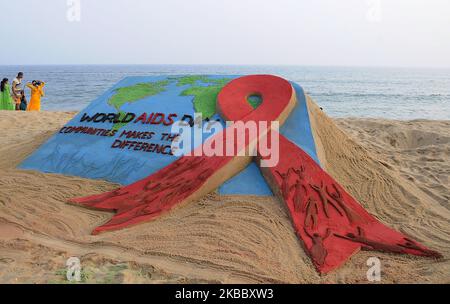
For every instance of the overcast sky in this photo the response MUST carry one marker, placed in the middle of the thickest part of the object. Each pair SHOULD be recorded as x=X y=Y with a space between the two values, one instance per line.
x=293 y=32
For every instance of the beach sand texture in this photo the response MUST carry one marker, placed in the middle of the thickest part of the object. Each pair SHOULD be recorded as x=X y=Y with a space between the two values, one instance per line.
x=398 y=170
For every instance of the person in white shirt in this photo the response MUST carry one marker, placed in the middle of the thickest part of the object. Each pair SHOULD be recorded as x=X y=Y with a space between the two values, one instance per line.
x=17 y=90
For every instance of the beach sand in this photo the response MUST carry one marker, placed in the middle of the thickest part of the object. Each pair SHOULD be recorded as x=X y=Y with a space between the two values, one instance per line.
x=398 y=170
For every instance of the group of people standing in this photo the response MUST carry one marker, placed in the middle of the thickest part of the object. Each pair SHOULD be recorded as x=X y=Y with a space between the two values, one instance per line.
x=13 y=98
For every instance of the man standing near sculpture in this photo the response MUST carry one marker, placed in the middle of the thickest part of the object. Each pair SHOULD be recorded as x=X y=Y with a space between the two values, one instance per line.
x=17 y=90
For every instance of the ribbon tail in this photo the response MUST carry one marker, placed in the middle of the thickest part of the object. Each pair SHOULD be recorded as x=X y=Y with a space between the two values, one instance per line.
x=185 y=180
x=331 y=224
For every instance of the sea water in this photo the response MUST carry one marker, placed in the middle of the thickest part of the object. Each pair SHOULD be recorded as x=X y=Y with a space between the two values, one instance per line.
x=394 y=93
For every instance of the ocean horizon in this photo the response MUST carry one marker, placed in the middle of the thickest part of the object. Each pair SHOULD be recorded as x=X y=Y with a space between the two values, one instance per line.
x=367 y=92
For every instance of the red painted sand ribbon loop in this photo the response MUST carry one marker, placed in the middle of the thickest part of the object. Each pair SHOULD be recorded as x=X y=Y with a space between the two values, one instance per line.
x=330 y=223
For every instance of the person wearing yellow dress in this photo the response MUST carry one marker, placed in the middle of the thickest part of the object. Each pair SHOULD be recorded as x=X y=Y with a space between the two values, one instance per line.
x=37 y=91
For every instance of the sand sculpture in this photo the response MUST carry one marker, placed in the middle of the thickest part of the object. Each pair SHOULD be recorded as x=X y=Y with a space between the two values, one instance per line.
x=331 y=224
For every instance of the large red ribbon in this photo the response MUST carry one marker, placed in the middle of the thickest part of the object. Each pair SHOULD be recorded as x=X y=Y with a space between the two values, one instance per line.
x=331 y=224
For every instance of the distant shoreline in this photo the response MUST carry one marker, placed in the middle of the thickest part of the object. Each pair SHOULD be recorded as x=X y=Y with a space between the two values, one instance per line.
x=334 y=118
x=392 y=93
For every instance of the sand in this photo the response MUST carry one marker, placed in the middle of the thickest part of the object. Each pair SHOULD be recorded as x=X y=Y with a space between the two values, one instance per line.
x=399 y=171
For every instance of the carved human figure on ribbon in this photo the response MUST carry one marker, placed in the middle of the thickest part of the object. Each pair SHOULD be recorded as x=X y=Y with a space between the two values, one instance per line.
x=317 y=250
x=369 y=244
x=300 y=193
x=324 y=199
x=312 y=213
x=337 y=196
x=301 y=172
x=285 y=188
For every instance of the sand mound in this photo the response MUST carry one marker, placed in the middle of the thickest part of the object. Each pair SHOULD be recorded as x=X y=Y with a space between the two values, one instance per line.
x=224 y=239
x=419 y=149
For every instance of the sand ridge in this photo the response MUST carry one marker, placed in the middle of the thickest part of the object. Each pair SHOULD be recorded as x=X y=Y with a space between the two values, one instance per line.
x=231 y=239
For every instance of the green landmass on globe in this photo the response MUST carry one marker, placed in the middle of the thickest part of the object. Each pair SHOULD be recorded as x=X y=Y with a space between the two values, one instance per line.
x=205 y=97
x=203 y=89
x=136 y=92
